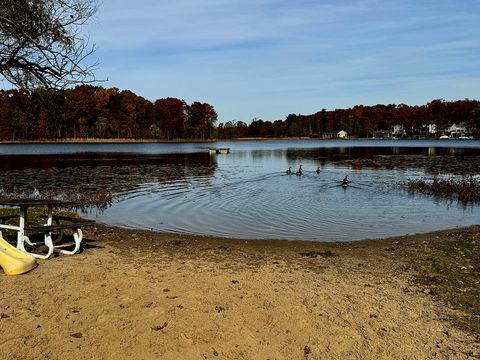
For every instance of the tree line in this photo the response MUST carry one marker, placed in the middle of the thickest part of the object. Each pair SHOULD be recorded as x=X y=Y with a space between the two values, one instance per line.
x=88 y=111
x=362 y=121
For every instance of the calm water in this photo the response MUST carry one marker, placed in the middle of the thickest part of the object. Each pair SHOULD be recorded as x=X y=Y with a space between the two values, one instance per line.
x=181 y=188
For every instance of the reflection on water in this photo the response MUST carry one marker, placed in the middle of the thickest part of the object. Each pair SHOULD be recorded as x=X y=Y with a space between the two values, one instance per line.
x=247 y=194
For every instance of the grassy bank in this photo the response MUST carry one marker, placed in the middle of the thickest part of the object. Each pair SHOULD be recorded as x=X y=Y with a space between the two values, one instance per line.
x=448 y=267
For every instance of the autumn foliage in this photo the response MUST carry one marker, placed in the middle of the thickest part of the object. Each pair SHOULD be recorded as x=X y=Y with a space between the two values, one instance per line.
x=95 y=112
x=363 y=121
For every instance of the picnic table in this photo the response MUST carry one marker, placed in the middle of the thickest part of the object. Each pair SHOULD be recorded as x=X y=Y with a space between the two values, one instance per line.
x=47 y=229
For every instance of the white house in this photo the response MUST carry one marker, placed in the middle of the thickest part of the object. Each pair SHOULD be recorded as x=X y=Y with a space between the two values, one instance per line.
x=342 y=134
x=432 y=129
x=398 y=130
x=460 y=128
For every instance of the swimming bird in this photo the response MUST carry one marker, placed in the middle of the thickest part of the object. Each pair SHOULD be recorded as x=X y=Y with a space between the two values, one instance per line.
x=345 y=181
x=289 y=170
x=299 y=171
x=318 y=170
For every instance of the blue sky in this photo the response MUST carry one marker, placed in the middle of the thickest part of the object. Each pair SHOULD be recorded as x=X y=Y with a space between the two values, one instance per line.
x=269 y=58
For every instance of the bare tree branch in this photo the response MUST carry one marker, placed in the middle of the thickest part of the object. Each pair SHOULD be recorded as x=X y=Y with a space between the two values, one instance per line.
x=41 y=43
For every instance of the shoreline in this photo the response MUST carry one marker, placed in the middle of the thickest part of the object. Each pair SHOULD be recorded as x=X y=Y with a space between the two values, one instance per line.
x=133 y=294
x=126 y=141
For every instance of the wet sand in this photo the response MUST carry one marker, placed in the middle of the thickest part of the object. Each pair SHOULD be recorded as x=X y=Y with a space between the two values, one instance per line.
x=144 y=295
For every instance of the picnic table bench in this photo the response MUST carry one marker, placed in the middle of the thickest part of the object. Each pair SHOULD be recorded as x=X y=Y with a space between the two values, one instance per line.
x=48 y=230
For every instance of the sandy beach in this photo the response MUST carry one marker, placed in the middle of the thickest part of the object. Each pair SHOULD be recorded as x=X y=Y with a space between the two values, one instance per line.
x=143 y=295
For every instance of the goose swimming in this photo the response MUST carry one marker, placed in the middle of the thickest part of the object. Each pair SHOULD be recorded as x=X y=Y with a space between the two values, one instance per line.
x=299 y=171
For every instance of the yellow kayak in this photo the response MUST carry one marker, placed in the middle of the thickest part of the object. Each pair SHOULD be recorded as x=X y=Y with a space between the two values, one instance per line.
x=14 y=261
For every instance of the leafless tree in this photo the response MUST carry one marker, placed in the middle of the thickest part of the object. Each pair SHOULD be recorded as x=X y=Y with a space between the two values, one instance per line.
x=42 y=44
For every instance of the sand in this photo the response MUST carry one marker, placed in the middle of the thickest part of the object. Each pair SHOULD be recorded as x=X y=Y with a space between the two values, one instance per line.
x=142 y=295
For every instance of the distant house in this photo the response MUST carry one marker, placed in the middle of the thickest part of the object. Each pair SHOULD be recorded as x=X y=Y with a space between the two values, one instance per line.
x=458 y=131
x=457 y=128
x=398 y=130
x=333 y=134
x=342 y=134
x=432 y=129
x=428 y=129
x=329 y=134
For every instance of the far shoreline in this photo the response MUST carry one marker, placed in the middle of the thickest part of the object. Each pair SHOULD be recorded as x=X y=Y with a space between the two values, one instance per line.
x=124 y=140
x=174 y=141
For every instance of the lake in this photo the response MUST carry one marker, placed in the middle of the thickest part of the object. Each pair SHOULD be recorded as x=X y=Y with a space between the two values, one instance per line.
x=181 y=188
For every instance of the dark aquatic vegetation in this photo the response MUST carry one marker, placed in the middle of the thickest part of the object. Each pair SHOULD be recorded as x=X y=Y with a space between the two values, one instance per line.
x=438 y=164
x=93 y=181
x=465 y=189
x=79 y=199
